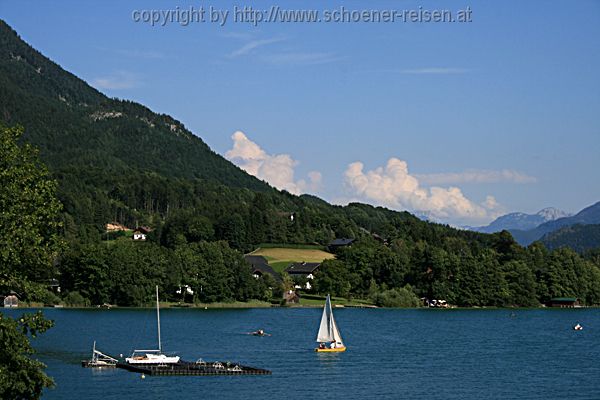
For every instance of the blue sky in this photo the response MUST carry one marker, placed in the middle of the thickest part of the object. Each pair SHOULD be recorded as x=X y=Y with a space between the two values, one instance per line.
x=464 y=121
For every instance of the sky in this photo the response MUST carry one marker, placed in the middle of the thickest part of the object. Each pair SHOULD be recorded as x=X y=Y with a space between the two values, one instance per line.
x=460 y=121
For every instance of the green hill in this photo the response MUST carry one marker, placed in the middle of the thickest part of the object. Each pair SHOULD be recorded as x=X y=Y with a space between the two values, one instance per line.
x=577 y=237
x=75 y=126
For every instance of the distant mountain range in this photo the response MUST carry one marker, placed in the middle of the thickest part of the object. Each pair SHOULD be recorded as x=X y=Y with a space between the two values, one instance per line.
x=554 y=227
x=587 y=216
x=522 y=221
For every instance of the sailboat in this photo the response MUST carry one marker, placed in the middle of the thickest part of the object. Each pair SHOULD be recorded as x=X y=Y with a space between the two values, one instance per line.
x=153 y=357
x=329 y=338
x=99 y=360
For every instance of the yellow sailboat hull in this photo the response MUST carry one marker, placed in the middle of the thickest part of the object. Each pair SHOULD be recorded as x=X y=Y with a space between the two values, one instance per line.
x=336 y=350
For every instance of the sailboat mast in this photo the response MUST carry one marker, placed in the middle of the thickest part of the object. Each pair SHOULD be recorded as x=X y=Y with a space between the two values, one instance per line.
x=158 y=320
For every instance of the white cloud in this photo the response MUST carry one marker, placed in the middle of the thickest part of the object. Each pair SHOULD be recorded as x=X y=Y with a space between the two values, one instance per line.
x=278 y=57
x=490 y=203
x=252 y=45
x=476 y=176
x=276 y=169
x=394 y=187
x=116 y=81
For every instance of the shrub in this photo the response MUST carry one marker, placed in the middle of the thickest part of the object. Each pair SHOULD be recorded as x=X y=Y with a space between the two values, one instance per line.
x=401 y=297
x=75 y=299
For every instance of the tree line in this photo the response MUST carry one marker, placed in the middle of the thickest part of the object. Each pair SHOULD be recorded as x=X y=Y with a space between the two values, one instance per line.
x=202 y=229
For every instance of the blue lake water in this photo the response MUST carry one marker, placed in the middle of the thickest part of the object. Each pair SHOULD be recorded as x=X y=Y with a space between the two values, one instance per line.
x=399 y=354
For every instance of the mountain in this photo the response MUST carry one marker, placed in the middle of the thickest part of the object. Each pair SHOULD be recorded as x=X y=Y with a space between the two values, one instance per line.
x=522 y=221
x=118 y=161
x=577 y=237
x=587 y=216
x=74 y=124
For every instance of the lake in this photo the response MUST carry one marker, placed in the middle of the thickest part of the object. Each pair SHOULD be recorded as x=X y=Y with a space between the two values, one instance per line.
x=392 y=353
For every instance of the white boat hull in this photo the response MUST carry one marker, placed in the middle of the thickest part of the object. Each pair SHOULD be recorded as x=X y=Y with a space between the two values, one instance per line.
x=152 y=359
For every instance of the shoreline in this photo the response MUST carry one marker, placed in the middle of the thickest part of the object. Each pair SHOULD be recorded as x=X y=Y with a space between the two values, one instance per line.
x=258 y=305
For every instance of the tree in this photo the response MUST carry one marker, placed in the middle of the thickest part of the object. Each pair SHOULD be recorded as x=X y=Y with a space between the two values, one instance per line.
x=401 y=297
x=21 y=377
x=333 y=278
x=29 y=211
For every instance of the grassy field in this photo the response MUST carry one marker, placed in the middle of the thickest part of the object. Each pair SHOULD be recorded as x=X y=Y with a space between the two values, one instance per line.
x=280 y=257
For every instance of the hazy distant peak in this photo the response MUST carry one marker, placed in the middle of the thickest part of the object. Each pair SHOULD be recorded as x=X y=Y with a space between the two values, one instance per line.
x=523 y=221
x=552 y=213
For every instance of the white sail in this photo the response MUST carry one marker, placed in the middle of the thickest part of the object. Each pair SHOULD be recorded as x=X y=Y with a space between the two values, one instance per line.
x=336 y=333
x=325 y=334
x=328 y=331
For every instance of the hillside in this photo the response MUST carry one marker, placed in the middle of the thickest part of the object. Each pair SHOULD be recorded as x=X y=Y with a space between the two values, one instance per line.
x=112 y=153
x=75 y=125
x=577 y=237
x=587 y=216
x=117 y=161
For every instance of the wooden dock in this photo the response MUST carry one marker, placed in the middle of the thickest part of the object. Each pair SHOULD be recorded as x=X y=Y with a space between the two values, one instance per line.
x=194 y=368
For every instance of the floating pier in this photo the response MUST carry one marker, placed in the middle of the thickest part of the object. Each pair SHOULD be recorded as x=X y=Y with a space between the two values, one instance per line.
x=199 y=367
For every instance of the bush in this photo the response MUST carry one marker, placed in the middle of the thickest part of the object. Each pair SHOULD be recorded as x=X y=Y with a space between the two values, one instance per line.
x=75 y=299
x=48 y=297
x=402 y=297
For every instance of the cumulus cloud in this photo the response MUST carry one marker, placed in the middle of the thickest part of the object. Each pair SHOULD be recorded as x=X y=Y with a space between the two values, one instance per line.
x=276 y=169
x=393 y=186
x=476 y=176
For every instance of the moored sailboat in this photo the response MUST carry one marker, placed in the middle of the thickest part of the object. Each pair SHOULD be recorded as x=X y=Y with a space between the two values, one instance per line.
x=329 y=338
x=152 y=357
x=99 y=360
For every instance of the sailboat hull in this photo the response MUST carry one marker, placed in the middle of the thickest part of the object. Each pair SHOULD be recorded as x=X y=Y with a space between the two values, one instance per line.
x=336 y=350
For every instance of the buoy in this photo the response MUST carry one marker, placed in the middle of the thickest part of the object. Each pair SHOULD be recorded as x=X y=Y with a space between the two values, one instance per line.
x=578 y=327
x=143 y=376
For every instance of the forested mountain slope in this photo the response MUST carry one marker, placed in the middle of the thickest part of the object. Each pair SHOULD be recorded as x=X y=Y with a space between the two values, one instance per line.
x=117 y=160
x=577 y=237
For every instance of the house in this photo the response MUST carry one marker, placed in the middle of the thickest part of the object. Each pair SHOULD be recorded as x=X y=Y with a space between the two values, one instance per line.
x=141 y=233
x=375 y=236
x=260 y=266
x=115 y=227
x=564 y=302
x=291 y=297
x=339 y=243
x=54 y=285
x=303 y=268
x=380 y=239
x=11 y=300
